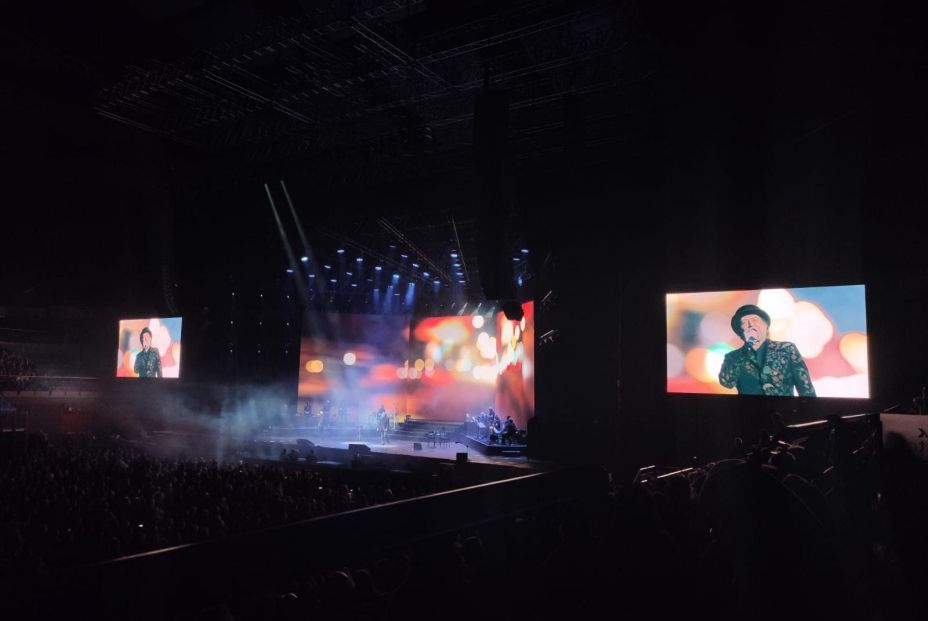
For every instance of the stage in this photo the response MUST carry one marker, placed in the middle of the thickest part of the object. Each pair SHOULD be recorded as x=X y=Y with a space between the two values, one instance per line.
x=494 y=449
x=414 y=445
x=415 y=437
x=447 y=451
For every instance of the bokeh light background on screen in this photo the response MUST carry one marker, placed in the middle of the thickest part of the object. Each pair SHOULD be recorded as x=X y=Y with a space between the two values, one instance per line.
x=827 y=324
x=166 y=337
x=351 y=361
x=452 y=366
x=515 y=386
x=439 y=368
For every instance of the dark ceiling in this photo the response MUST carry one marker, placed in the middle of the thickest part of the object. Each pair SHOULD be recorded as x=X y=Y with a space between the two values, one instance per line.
x=387 y=87
x=193 y=106
x=140 y=134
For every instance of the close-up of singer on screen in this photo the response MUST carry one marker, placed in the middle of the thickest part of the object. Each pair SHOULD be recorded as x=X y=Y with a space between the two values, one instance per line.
x=763 y=366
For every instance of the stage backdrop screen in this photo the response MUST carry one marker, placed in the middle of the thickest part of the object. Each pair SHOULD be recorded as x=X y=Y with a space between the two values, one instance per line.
x=350 y=365
x=809 y=341
x=149 y=347
x=452 y=366
x=515 y=386
x=440 y=368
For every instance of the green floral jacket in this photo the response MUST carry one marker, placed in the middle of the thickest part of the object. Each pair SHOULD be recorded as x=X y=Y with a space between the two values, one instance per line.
x=148 y=364
x=783 y=369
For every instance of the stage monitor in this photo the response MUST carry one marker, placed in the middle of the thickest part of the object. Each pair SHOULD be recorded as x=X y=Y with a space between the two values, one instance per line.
x=806 y=342
x=149 y=347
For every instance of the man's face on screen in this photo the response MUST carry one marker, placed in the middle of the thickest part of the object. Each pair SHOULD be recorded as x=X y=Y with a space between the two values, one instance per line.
x=753 y=327
x=146 y=341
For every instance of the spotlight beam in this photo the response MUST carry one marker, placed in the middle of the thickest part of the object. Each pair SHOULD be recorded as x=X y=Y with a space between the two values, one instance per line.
x=307 y=250
x=457 y=241
x=286 y=242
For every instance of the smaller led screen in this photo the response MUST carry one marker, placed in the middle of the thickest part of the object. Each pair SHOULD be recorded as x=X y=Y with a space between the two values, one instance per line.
x=149 y=347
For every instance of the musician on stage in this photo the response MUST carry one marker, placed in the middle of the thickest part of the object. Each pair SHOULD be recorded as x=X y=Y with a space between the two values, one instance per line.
x=493 y=429
x=482 y=428
x=383 y=423
x=509 y=431
x=326 y=420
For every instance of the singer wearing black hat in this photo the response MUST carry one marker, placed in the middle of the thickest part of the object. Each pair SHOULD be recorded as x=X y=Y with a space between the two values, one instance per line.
x=762 y=366
x=148 y=361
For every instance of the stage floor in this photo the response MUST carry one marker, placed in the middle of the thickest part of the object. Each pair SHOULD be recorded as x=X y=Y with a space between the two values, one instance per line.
x=445 y=452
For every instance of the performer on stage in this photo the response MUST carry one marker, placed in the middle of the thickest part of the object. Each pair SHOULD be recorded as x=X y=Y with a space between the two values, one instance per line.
x=383 y=423
x=482 y=427
x=326 y=420
x=509 y=431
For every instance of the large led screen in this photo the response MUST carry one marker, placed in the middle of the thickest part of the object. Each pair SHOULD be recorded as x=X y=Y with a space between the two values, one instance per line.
x=807 y=342
x=438 y=368
x=515 y=386
x=452 y=366
x=350 y=365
